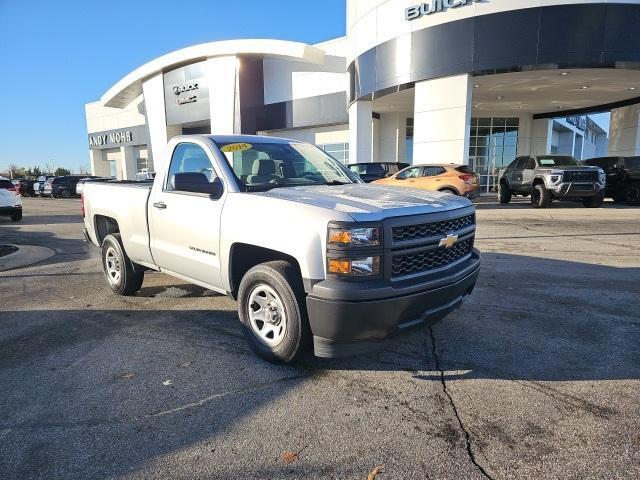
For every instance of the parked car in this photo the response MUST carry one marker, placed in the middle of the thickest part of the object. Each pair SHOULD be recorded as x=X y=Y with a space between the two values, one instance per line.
x=38 y=187
x=623 y=177
x=10 y=201
x=6 y=184
x=552 y=177
x=312 y=255
x=370 y=172
x=25 y=187
x=456 y=179
x=90 y=178
x=62 y=187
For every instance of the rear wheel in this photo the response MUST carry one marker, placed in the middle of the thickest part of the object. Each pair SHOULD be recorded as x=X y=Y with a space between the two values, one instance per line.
x=123 y=276
x=449 y=190
x=633 y=194
x=271 y=306
x=65 y=194
x=540 y=197
x=594 y=202
x=17 y=217
x=504 y=193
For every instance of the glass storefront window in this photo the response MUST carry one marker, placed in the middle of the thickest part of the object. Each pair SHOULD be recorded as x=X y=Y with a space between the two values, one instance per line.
x=493 y=145
x=339 y=151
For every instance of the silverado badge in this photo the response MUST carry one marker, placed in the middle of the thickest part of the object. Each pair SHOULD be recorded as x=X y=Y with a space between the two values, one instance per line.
x=449 y=241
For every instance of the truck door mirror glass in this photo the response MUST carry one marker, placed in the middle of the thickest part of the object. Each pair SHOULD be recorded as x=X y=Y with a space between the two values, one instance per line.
x=195 y=182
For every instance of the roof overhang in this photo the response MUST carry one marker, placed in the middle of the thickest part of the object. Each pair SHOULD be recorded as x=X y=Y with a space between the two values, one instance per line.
x=130 y=87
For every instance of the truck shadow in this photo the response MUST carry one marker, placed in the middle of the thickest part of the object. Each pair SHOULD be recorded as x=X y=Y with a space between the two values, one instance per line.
x=104 y=393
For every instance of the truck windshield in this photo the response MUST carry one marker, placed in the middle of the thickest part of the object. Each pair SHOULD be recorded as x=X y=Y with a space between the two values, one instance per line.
x=558 y=161
x=262 y=166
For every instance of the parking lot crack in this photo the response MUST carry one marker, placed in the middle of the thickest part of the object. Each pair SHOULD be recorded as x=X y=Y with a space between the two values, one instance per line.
x=467 y=436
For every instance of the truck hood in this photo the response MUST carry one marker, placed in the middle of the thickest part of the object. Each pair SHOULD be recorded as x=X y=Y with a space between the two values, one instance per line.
x=370 y=202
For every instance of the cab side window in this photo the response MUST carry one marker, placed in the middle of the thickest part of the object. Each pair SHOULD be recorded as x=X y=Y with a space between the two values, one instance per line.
x=189 y=158
x=413 y=172
x=433 y=171
x=528 y=163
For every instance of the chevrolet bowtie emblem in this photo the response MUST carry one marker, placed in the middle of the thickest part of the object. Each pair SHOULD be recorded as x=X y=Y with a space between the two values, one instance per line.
x=449 y=241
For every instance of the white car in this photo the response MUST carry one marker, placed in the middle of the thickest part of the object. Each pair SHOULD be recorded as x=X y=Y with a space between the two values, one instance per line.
x=10 y=205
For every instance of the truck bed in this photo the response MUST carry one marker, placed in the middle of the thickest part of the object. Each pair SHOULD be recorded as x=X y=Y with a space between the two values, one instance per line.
x=126 y=203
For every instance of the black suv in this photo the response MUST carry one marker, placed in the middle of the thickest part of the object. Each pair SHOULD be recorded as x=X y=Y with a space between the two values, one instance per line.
x=65 y=187
x=623 y=177
x=375 y=171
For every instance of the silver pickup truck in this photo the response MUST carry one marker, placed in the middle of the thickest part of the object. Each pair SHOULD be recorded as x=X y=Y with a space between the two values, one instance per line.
x=312 y=255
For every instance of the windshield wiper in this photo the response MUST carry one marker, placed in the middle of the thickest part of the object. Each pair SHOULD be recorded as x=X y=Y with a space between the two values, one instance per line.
x=336 y=182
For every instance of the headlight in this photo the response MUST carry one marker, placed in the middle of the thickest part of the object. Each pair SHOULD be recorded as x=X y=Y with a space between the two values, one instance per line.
x=354 y=237
x=355 y=267
x=555 y=178
x=602 y=177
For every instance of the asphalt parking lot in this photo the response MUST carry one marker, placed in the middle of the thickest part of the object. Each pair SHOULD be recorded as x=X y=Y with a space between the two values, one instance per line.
x=537 y=376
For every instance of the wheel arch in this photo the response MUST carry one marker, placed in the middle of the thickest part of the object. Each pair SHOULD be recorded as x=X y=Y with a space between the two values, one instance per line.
x=449 y=187
x=104 y=226
x=244 y=256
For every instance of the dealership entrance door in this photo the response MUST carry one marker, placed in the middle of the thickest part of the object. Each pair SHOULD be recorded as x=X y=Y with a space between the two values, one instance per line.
x=493 y=145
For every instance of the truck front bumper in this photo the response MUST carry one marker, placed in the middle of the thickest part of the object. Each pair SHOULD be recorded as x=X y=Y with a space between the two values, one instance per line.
x=358 y=319
x=576 y=189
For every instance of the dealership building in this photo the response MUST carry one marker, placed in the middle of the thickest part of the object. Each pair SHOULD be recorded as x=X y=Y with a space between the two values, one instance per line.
x=445 y=81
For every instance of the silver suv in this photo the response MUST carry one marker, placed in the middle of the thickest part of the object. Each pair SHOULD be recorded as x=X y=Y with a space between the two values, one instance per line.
x=552 y=177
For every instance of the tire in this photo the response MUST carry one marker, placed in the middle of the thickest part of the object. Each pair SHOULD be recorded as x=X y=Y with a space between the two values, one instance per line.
x=123 y=276
x=449 y=190
x=504 y=193
x=277 y=286
x=65 y=194
x=632 y=194
x=594 y=202
x=540 y=197
x=17 y=217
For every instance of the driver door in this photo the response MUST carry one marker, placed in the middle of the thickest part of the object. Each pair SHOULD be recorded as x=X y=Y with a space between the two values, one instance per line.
x=528 y=172
x=185 y=227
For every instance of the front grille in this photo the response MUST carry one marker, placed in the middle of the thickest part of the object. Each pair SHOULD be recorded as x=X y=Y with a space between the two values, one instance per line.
x=413 y=232
x=411 y=263
x=580 y=176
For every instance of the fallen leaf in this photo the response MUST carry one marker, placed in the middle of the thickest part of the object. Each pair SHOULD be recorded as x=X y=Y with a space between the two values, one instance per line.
x=289 y=457
x=127 y=375
x=166 y=383
x=375 y=472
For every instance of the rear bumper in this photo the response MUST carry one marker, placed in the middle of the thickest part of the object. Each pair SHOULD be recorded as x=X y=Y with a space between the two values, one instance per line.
x=344 y=327
x=10 y=211
x=472 y=194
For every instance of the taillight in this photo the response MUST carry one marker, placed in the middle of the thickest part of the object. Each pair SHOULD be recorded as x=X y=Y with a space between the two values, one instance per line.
x=468 y=178
x=82 y=204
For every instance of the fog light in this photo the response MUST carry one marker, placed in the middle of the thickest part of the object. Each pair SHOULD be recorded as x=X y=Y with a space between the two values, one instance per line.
x=356 y=267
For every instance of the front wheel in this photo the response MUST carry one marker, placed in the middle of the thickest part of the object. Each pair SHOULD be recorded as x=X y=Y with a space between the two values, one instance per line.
x=594 y=202
x=65 y=194
x=123 y=276
x=17 y=217
x=271 y=306
x=540 y=197
x=504 y=193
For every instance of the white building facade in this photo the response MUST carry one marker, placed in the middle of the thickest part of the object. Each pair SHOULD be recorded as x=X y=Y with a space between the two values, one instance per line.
x=446 y=81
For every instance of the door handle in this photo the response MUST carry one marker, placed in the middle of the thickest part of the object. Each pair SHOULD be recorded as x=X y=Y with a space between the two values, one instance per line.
x=160 y=205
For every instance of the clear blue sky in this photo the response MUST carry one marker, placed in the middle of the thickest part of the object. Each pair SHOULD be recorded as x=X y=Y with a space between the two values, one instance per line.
x=55 y=56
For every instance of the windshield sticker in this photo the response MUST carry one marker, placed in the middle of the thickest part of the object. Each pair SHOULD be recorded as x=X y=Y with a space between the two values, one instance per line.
x=236 y=147
x=547 y=161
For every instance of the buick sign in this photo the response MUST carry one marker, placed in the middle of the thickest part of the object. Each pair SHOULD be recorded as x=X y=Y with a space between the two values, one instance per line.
x=185 y=88
x=417 y=11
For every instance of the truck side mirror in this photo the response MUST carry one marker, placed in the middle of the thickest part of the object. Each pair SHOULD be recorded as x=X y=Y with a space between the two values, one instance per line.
x=195 y=182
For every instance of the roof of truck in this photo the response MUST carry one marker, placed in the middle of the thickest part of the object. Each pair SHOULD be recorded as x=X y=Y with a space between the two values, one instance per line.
x=249 y=139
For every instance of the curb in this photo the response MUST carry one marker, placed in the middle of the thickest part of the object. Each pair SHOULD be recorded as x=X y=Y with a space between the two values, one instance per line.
x=26 y=255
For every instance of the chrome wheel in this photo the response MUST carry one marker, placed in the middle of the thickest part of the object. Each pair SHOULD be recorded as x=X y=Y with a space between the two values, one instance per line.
x=112 y=266
x=267 y=315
